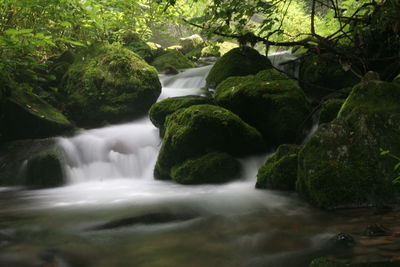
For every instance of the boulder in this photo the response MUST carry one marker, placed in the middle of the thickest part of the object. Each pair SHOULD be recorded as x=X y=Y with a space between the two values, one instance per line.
x=270 y=102
x=201 y=129
x=211 y=168
x=174 y=59
x=25 y=116
x=110 y=85
x=239 y=61
x=142 y=49
x=330 y=110
x=34 y=163
x=160 y=110
x=321 y=74
x=280 y=170
x=191 y=43
x=341 y=165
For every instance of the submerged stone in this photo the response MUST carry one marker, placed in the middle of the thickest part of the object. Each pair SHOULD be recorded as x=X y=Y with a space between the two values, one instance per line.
x=109 y=85
x=210 y=168
x=197 y=130
x=280 y=170
x=239 y=61
x=269 y=101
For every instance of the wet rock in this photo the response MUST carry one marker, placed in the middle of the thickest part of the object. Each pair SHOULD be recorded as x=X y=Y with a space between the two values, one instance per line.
x=377 y=230
x=239 y=61
x=343 y=239
x=151 y=218
x=270 y=102
x=201 y=129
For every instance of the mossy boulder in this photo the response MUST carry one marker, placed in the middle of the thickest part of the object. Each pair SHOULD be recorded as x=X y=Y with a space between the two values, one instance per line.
x=321 y=74
x=160 y=110
x=174 y=59
x=110 y=85
x=156 y=49
x=269 y=101
x=142 y=49
x=201 y=129
x=34 y=163
x=341 y=165
x=240 y=61
x=25 y=116
x=191 y=43
x=372 y=96
x=211 y=168
x=211 y=50
x=330 y=110
x=280 y=170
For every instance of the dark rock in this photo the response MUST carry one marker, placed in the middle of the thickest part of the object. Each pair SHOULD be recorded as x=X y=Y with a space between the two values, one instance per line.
x=343 y=239
x=377 y=230
x=25 y=116
x=322 y=74
x=200 y=129
x=170 y=70
x=109 y=85
x=210 y=168
x=239 y=61
x=270 y=102
x=330 y=110
x=280 y=170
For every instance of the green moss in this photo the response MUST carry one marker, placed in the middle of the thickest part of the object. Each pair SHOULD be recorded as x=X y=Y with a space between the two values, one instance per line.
x=211 y=50
x=199 y=129
x=172 y=58
x=44 y=170
x=237 y=62
x=142 y=49
x=330 y=110
x=372 y=96
x=213 y=167
x=280 y=170
x=341 y=165
x=160 y=110
x=194 y=42
x=321 y=74
x=26 y=116
x=113 y=79
x=281 y=102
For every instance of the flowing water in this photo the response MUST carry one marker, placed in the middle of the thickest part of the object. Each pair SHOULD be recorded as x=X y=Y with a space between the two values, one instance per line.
x=109 y=172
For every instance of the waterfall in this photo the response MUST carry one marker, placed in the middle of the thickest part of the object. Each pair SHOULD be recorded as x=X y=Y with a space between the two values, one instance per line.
x=127 y=150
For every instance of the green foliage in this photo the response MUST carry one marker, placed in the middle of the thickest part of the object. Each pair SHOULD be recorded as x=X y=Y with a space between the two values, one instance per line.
x=396 y=167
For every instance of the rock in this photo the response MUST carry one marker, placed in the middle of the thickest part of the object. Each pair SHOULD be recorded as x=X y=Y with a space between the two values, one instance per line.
x=341 y=165
x=27 y=116
x=109 y=85
x=325 y=262
x=34 y=163
x=270 y=102
x=343 y=239
x=372 y=96
x=239 y=61
x=377 y=230
x=211 y=50
x=211 y=168
x=200 y=129
x=191 y=43
x=170 y=70
x=330 y=110
x=160 y=110
x=172 y=59
x=280 y=170
x=321 y=74
x=156 y=49
x=142 y=49
x=150 y=218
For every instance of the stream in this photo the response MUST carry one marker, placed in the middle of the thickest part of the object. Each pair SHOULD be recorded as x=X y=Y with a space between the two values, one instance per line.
x=109 y=173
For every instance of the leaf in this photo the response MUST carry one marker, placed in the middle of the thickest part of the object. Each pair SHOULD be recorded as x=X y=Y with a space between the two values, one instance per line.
x=18 y=32
x=384 y=152
x=397 y=167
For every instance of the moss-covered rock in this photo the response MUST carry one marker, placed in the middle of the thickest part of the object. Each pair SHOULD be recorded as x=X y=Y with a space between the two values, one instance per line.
x=330 y=110
x=211 y=50
x=174 y=59
x=240 y=61
x=156 y=49
x=26 y=116
x=321 y=74
x=110 y=85
x=214 y=167
x=160 y=110
x=372 y=96
x=200 y=129
x=34 y=163
x=280 y=170
x=142 y=49
x=268 y=101
x=191 y=43
x=341 y=165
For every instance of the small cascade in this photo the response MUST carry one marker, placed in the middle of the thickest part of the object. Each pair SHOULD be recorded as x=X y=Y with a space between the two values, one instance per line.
x=127 y=150
x=286 y=62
